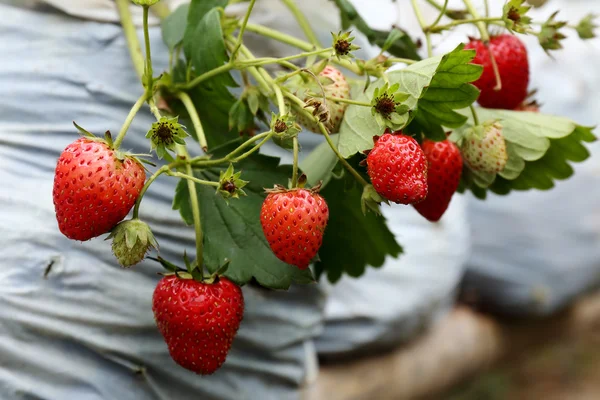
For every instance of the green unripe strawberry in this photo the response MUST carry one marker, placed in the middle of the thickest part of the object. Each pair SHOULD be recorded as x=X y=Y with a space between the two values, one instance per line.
x=132 y=239
x=484 y=148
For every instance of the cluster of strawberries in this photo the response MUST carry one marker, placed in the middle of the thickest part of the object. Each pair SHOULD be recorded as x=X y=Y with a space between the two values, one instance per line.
x=96 y=186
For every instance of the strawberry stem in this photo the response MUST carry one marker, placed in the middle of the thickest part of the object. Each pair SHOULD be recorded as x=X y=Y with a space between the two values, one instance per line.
x=485 y=37
x=423 y=25
x=148 y=67
x=130 y=32
x=300 y=44
x=295 y=165
x=192 y=178
x=303 y=22
x=191 y=109
x=241 y=34
x=134 y=110
x=138 y=201
x=440 y=28
x=474 y=113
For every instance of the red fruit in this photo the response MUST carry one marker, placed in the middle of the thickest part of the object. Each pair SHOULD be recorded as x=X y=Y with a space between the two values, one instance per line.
x=198 y=320
x=444 y=167
x=511 y=56
x=293 y=222
x=94 y=188
x=398 y=168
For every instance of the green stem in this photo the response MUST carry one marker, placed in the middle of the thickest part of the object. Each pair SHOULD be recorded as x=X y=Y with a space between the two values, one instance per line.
x=402 y=60
x=148 y=68
x=295 y=165
x=485 y=37
x=201 y=161
x=280 y=101
x=207 y=75
x=184 y=155
x=303 y=22
x=197 y=221
x=325 y=133
x=423 y=25
x=285 y=77
x=271 y=60
x=134 y=110
x=474 y=113
x=300 y=44
x=449 y=13
x=154 y=110
x=242 y=29
x=191 y=109
x=346 y=101
x=442 y=13
x=130 y=32
x=439 y=28
x=264 y=86
x=138 y=201
x=193 y=179
x=255 y=148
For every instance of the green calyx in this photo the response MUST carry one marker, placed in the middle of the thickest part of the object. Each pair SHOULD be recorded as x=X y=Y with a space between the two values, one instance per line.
x=342 y=45
x=514 y=16
x=387 y=107
x=371 y=200
x=586 y=27
x=285 y=129
x=132 y=239
x=230 y=184
x=550 y=35
x=165 y=134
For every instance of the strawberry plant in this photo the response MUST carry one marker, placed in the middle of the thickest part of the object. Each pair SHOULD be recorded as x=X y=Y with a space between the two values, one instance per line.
x=259 y=220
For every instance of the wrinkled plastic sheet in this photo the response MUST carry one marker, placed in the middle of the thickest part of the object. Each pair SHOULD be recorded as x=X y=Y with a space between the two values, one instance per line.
x=74 y=325
x=535 y=252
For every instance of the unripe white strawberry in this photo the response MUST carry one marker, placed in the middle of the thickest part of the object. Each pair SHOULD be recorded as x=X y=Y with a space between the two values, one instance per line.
x=484 y=148
x=335 y=85
x=132 y=239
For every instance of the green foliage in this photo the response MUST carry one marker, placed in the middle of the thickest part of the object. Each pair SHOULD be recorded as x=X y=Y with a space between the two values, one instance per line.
x=174 y=26
x=436 y=86
x=204 y=46
x=539 y=149
x=234 y=231
x=397 y=42
x=352 y=240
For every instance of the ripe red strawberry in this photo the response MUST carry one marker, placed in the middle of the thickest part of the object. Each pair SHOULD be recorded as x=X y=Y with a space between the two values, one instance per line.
x=511 y=56
x=198 y=320
x=335 y=86
x=484 y=148
x=444 y=167
x=398 y=168
x=293 y=222
x=94 y=188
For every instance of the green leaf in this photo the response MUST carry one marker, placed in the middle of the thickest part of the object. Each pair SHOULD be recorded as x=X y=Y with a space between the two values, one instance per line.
x=539 y=148
x=436 y=86
x=174 y=26
x=401 y=47
x=352 y=241
x=205 y=47
x=234 y=231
